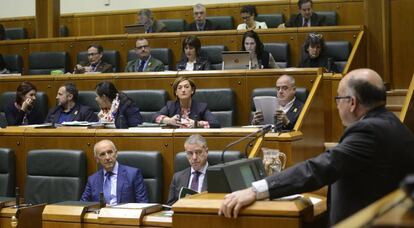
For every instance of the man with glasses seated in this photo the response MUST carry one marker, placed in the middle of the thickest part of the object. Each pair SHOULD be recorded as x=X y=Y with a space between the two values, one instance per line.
x=193 y=177
x=200 y=22
x=95 y=63
x=145 y=62
x=290 y=106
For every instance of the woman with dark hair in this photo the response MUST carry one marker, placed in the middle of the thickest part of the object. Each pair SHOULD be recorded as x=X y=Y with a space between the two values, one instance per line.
x=22 y=111
x=260 y=59
x=192 y=59
x=249 y=14
x=3 y=69
x=116 y=107
x=313 y=54
x=185 y=112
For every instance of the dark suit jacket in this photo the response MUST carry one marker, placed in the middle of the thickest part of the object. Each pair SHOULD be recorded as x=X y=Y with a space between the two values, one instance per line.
x=197 y=109
x=321 y=61
x=78 y=113
x=153 y=65
x=372 y=157
x=15 y=116
x=293 y=114
x=102 y=67
x=130 y=186
x=181 y=179
x=296 y=20
x=208 y=26
x=158 y=26
x=200 y=64
x=128 y=114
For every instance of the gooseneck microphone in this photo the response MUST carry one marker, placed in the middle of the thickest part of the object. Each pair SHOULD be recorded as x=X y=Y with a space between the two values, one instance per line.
x=17 y=195
x=258 y=133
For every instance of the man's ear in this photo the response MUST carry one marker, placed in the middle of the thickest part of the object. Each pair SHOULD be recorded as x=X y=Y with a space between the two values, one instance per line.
x=354 y=103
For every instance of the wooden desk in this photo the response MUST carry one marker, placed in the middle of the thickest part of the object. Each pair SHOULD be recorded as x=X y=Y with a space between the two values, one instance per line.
x=201 y=211
x=24 y=217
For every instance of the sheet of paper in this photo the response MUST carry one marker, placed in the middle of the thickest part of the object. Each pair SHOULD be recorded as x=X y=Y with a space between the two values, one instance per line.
x=268 y=105
x=135 y=205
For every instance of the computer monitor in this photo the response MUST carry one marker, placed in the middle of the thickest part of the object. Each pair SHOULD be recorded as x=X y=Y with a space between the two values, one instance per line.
x=236 y=60
x=236 y=175
x=136 y=28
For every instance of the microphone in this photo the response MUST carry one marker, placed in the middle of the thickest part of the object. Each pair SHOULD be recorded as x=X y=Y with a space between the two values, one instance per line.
x=258 y=134
x=330 y=62
x=17 y=195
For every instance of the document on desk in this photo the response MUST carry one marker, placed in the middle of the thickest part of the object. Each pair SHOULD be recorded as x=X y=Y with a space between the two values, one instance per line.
x=268 y=106
x=148 y=207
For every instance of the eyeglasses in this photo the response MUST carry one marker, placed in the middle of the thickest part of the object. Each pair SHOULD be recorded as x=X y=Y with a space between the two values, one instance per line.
x=197 y=153
x=284 y=88
x=338 y=98
x=246 y=17
x=143 y=46
x=198 y=13
x=315 y=35
x=93 y=54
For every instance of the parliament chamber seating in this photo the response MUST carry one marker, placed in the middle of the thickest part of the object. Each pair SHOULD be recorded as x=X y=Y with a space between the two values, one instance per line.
x=330 y=17
x=272 y=20
x=149 y=101
x=150 y=164
x=174 y=25
x=88 y=98
x=222 y=22
x=45 y=62
x=213 y=54
x=54 y=175
x=213 y=158
x=221 y=103
x=280 y=52
x=16 y=33
x=165 y=55
x=339 y=51
x=109 y=56
x=7 y=172
x=14 y=63
x=41 y=103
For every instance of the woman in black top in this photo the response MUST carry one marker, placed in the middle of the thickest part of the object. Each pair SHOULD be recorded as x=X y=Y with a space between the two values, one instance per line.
x=192 y=59
x=313 y=54
x=260 y=59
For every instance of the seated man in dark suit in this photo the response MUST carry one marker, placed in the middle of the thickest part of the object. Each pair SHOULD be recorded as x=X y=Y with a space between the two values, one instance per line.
x=95 y=63
x=145 y=62
x=194 y=177
x=286 y=117
x=68 y=109
x=200 y=22
x=151 y=25
x=372 y=157
x=306 y=17
x=119 y=183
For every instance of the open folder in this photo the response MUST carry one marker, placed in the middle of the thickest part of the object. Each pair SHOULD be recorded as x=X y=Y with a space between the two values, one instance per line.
x=268 y=106
x=184 y=192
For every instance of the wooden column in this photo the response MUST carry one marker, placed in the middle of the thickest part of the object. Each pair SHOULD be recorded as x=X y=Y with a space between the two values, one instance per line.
x=47 y=18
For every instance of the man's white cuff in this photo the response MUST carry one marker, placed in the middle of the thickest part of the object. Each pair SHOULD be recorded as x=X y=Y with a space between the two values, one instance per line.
x=261 y=188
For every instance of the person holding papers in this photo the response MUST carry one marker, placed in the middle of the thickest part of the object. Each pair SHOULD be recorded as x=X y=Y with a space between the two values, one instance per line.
x=68 y=109
x=118 y=183
x=185 y=112
x=195 y=176
x=22 y=111
x=290 y=107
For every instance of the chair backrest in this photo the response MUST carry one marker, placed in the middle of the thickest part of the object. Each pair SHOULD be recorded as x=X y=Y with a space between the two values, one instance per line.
x=222 y=22
x=272 y=20
x=339 y=51
x=280 y=52
x=148 y=101
x=330 y=17
x=109 y=56
x=7 y=172
x=54 y=175
x=220 y=102
x=45 y=62
x=41 y=104
x=174 y=25
x=88 y=98
x=213 y=54
x=162 y=54
x=14 y=63
x=151 y=166
x=63 y=31
x=214 y=158
x=16 y=33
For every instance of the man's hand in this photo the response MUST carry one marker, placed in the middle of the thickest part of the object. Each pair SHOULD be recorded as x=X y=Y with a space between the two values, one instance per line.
x=233 y=202
x=281 y=117
x=257 y=118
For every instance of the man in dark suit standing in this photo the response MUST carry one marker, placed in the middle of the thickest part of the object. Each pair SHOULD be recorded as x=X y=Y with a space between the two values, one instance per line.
x=372 y=156
x=200 y=22
x=119 y=183
x=68 y=109
x=306 y=17
x=193 y=177
x=290 y=106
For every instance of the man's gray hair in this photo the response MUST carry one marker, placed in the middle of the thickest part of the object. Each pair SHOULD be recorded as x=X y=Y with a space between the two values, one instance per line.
x=291 y=79
x=145 y=12
x=103 y=141
x=196 y=139
x=198 y=6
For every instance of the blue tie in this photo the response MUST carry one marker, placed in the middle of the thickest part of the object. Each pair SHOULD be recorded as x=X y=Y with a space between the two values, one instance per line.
x=194 y=181
x=107 y=187
x=141 y=66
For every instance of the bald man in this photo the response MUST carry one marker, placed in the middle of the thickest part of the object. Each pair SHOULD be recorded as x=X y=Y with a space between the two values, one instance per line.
x=372 y=157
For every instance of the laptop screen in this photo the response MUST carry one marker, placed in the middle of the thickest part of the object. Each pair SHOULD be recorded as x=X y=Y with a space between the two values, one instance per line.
x=236 y=60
